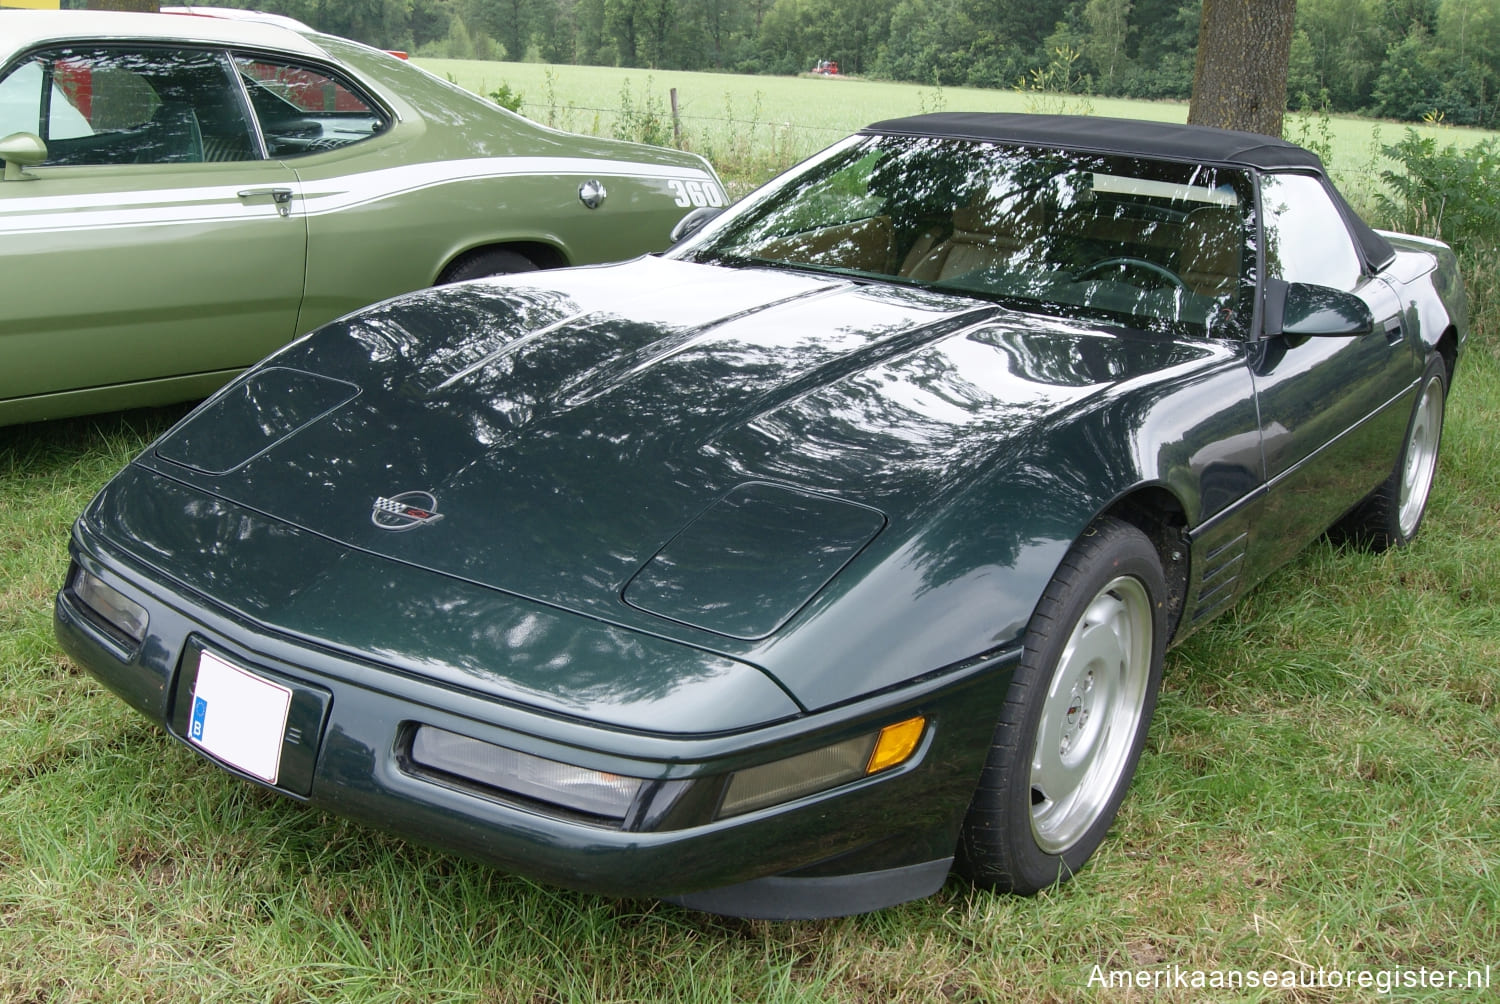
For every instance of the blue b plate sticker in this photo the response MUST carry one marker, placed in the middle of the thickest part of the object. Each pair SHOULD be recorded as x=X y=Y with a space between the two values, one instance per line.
x=238 y=717
x=200 y=711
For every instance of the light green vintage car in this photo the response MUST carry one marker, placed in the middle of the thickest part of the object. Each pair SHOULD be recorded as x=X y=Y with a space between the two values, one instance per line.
x=184 y=194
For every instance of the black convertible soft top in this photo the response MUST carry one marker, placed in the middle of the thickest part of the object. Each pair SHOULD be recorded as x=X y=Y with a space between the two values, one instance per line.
x=1095 y=134
x=1137 y=138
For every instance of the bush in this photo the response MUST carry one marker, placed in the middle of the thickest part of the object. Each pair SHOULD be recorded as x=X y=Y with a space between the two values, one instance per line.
x=506 y=98
x=1447 y=193
x=643 y=121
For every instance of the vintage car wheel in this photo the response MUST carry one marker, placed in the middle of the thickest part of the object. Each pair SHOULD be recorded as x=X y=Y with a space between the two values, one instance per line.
x=1392 y=515
x=491 y=261
x=1075 y=718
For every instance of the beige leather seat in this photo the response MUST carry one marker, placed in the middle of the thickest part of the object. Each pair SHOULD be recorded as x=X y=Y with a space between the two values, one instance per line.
x=1213 y=243
x=985 y=232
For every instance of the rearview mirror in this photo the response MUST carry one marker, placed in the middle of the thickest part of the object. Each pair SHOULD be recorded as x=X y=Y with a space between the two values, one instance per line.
x=19 y=150
x=692 y=223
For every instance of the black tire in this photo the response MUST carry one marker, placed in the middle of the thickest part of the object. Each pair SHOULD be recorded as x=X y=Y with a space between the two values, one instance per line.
x=1092 y=657
x=486 y=262
x=1392 y=514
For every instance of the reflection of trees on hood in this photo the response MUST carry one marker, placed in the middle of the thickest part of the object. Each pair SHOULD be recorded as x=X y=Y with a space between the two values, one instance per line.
x=447 y=626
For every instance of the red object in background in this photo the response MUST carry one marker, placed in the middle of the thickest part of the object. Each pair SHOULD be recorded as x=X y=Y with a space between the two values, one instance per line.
x=309 y=90
x=76 y=80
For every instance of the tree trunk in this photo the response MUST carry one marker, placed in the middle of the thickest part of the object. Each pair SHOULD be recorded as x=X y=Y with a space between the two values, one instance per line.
x=1239 y=81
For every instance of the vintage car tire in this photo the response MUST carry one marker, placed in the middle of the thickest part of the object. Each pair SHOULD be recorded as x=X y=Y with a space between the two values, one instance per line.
x=1095 y=644
x=486 y=262
x=1392 y=514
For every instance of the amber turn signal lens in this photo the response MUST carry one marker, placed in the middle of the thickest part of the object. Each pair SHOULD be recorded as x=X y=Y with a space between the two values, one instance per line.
x=896 y=744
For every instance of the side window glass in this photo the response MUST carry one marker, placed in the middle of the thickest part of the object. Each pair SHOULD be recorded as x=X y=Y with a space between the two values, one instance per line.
x=114 y=105
x=305 y=110
x=1306 y=237
x=21 y=99
x=23 y=109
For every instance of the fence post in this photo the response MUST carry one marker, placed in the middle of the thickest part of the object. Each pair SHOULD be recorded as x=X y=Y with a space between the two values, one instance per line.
x=676 y=120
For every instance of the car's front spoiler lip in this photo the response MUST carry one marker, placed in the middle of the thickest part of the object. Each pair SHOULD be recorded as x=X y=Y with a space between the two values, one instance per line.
x=915 y=809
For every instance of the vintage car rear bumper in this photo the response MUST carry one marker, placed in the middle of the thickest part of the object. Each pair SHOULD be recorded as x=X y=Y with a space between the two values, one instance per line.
x=859 y=846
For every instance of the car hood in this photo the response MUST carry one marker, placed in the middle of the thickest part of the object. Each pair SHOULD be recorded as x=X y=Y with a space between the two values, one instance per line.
x=663 y=445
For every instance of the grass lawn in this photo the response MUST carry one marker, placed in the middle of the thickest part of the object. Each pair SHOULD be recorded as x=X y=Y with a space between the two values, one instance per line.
x=1320 y=790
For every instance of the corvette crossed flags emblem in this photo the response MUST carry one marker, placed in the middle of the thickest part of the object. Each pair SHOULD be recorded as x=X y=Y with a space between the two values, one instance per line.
x=405 y=511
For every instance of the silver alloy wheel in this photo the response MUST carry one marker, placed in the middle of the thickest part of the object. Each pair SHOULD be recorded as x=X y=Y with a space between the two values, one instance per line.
x=1091 y=714
x=1420 y=458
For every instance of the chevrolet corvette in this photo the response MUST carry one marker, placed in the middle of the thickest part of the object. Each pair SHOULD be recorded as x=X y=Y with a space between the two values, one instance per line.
x=832 y=550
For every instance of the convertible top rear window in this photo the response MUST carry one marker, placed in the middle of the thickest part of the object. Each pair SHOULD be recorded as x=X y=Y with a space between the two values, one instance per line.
x=1156 y=245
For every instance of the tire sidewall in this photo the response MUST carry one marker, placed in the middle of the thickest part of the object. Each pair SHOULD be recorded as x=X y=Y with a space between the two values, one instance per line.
x=1436 y=370
x=1028 y=867
x=485 y=263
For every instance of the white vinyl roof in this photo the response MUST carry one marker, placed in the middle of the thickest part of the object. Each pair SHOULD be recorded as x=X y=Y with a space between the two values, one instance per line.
x=23 y=29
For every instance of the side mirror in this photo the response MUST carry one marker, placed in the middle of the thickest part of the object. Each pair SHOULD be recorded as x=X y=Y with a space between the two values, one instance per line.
x=692 y=223
x=1308 y=311
x=20 y=150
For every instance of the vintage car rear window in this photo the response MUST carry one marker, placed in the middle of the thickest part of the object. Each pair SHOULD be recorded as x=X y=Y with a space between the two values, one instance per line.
x=1154 y=245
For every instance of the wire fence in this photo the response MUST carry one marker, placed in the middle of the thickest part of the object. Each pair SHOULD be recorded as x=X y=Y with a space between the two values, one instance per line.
x=746 y=149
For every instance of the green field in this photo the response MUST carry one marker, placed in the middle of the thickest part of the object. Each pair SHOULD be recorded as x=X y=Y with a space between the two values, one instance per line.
x=792 y=117
x=1320 y=788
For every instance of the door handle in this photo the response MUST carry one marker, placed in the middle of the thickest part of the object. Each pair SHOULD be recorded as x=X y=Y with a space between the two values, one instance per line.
x=1393 y=329
x=282 y=197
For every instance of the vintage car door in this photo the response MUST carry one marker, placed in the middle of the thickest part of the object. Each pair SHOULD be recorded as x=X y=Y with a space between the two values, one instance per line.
x=353 y=168
x=1332 y=409
x=155 y=239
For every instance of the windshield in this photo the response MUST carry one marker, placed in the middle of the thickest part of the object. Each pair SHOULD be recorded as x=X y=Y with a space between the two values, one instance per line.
x=1148 y=244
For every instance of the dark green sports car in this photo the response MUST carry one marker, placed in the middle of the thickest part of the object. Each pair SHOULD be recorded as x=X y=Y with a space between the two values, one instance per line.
x=779 y=574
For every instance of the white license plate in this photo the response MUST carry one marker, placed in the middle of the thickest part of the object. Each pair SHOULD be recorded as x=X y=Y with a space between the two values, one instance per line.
x=239 y=717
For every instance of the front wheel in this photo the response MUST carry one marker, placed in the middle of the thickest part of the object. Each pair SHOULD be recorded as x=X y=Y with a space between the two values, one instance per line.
x=1075 y=718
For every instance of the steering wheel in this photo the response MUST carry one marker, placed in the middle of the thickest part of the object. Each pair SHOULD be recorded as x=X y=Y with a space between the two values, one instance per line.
x=1128 y=262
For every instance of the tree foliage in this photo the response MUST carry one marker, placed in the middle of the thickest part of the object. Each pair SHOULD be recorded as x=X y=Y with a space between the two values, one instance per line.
x=1407 y=59
x=1445 y=193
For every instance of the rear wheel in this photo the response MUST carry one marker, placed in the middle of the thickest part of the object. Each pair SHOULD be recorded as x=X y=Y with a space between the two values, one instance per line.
x=1393 y=513
x=486 y=262
x=1075 y=719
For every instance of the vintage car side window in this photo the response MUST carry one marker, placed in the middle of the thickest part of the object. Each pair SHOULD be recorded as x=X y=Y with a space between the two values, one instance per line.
x=122 y=105
x=21 y=99
x=1307 y=239
x=22 y=108
x=303 y=109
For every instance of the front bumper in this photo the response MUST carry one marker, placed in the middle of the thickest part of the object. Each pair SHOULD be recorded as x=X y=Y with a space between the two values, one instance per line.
x=856 y=847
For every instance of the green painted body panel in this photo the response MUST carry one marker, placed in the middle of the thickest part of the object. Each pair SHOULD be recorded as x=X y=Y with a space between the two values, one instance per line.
x=520 y=404
x=128 y=284
x=436 y=627
x=149 y=276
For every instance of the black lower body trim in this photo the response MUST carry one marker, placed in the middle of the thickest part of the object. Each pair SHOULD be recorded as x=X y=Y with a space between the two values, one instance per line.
x=779 y=897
